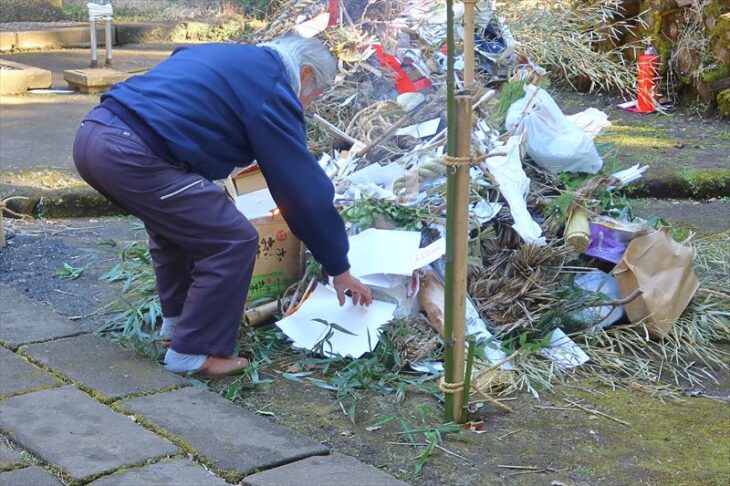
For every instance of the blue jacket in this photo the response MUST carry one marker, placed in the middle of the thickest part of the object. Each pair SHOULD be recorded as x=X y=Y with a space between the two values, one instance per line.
x=215 y=107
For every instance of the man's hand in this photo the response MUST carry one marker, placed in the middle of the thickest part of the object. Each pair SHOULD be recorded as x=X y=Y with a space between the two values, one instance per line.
x=360 y=293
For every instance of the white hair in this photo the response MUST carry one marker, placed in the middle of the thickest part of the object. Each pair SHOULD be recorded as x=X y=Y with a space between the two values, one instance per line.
x=297 y=52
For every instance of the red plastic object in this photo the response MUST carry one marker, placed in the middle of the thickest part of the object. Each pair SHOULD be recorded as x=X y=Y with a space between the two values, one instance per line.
x=645 y=87
x=334 y=12
x=402 y=82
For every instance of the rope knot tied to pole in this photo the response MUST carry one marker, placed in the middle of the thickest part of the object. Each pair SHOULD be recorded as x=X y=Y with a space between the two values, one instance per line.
x=450 y=388
x=455 y=161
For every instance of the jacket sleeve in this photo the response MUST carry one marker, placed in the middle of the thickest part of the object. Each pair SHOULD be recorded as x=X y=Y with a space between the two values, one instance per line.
x=301 y=189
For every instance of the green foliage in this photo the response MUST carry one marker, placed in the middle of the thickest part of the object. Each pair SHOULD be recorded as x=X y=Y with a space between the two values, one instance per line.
x=366 y=211
x=511 y=91
x=330 y=328
x=431 y=429
x=379 y=371
x=78 y=13
x=138 y=311
x=422 y=458
x=69 y=272
x=528 y=341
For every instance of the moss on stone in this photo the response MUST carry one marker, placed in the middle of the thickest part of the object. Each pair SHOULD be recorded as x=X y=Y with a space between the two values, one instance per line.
x=720 y=72
x=705 y=183
x=723 y=103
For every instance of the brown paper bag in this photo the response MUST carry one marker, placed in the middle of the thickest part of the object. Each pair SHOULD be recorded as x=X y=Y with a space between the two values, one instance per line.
x=662 y=269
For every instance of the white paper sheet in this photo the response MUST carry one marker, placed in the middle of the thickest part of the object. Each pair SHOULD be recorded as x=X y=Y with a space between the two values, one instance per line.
x=256 y=204
x=420 y=130
x=564 y=352
x=631 y=174
x=430 y=253
x=375 y=251
x=322 y=304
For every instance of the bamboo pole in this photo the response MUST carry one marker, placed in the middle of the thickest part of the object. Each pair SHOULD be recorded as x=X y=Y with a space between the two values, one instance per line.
x=459 y=111
x=460 y=214
x=468 y=43
x=467 y=378
x=261 y=314
x=452 y=413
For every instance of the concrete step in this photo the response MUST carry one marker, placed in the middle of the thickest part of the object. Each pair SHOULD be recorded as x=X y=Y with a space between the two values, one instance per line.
x=56 y=38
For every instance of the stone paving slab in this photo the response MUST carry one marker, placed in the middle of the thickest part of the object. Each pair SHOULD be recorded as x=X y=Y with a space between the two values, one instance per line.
x=332 y=470
x=30 y=476
x=23 y=321
x=19 y=376
x=181 y=472
x=67 y=428
x=234 y=439
x=9 y=458
x=103 y=366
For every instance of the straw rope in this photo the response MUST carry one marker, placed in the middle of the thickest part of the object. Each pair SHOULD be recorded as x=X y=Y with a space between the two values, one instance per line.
x=450 y=388
x=453 y=161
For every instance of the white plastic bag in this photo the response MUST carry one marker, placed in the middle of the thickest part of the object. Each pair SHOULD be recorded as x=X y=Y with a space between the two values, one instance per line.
x=514 y=186
x=552 y=140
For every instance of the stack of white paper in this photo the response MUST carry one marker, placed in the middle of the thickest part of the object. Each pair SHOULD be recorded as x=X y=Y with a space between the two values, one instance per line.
x=362 y=322
x=381 y=257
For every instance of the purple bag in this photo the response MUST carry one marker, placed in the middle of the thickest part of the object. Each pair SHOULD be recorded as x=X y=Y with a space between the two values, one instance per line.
x=606 y=243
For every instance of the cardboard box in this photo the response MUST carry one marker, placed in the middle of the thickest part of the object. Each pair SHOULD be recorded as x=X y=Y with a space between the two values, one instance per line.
x=278 y=260
x=246 y=181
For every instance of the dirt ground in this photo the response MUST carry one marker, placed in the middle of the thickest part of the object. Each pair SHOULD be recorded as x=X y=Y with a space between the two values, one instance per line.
x=680 y=443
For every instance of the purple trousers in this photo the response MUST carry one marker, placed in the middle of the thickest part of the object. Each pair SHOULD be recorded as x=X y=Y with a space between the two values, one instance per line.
x=202 y=247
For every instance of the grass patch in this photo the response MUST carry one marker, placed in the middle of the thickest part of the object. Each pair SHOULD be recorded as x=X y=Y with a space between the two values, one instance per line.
x=637 y=137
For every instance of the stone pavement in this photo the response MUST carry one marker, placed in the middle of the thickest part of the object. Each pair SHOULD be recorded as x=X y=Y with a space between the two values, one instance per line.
x=76 y=408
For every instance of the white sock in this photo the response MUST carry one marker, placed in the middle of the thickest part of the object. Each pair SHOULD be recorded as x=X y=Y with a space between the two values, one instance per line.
x=168 y=326
x=183 y=363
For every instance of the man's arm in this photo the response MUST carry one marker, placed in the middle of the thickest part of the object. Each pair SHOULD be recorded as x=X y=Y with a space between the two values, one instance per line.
x=301 y=189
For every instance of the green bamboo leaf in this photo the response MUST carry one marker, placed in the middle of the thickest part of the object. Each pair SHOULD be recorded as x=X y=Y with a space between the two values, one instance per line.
x=296 y=376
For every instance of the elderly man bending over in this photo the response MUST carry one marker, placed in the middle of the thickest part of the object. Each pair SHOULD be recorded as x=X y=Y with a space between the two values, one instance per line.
x=156 y=142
